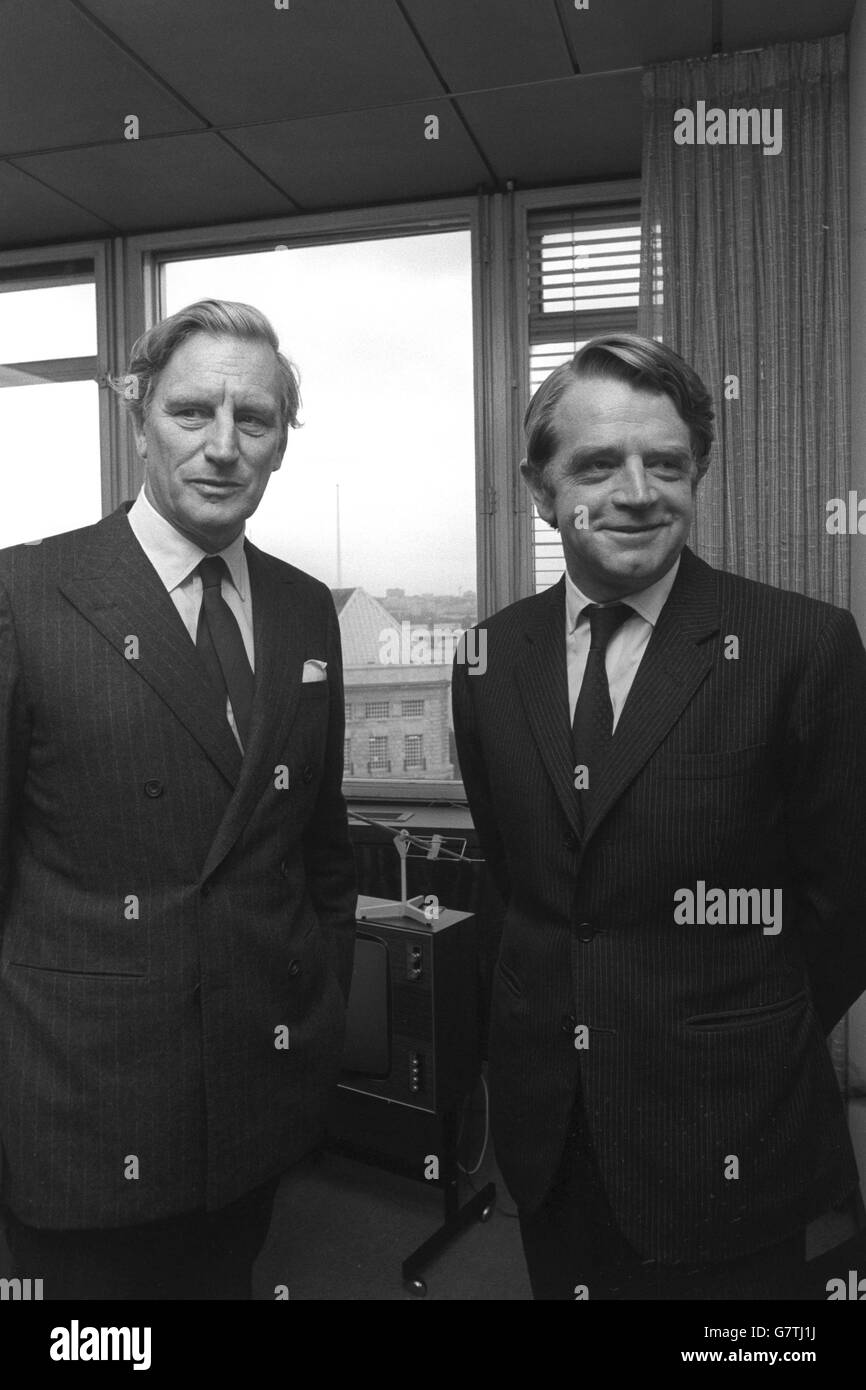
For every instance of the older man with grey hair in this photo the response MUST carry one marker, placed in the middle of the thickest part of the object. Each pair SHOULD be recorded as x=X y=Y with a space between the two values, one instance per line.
x=177 y=888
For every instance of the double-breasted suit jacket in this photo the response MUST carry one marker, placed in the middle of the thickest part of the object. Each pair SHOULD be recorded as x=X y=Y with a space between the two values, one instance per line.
x=177 y=919
x=734 y=765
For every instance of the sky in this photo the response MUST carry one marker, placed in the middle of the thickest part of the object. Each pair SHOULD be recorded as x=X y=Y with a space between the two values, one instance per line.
x=381 y=332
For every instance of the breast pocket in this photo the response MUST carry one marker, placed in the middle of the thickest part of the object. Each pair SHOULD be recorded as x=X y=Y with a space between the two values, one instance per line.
x=734 y=762
x=314 y=690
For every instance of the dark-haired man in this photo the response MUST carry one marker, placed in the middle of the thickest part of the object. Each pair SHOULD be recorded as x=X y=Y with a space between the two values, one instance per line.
x=177 y=886
x=666 y=765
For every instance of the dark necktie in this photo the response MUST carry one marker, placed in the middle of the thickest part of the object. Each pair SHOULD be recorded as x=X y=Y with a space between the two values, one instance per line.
x=592 y=727
x=221 y=646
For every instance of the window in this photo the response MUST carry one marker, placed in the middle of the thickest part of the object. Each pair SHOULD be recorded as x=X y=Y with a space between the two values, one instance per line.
x=412 y=709
x=413 y=751
x=378 y=754
x=377 y=494
x=49 y=401
x=584 y=268
x=347 y=757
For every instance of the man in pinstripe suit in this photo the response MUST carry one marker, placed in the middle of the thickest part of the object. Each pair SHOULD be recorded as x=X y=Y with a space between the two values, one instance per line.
x=177 y=886
x=656 y=753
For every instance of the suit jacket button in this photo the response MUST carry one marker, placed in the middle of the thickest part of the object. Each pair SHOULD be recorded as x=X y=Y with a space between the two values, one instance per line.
x=284 y=868
x=294 y=968
x=153 y=788
x=570 y=841
x=585 y=931
x=568 y=1023
x=307 y=774
x=196 y=992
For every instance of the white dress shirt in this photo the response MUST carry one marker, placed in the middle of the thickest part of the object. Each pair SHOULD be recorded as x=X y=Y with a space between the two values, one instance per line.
x=175 y=557
x=628 y=644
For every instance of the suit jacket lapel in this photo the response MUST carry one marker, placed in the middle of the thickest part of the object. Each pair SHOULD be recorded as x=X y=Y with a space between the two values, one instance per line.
x=675 y=663
x=542 y=678
x=677 y=660
x=117 y=589
x=278 y=629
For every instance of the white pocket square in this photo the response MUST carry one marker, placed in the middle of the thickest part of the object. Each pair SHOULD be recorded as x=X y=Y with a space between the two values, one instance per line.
x=315 y=670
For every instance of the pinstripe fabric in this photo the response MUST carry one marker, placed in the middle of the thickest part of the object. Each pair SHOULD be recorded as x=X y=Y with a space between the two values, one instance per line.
x=154 y=1035
x=703 y=1040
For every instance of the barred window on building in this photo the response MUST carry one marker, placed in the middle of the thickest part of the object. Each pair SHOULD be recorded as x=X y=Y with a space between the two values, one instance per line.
x=413 y=752
x=378 y=754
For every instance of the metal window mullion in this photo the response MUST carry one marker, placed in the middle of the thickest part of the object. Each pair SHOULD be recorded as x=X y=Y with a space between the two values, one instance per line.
x=49 y=371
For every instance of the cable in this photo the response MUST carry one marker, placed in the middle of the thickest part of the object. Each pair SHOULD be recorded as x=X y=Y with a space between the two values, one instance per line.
x=470 y=1172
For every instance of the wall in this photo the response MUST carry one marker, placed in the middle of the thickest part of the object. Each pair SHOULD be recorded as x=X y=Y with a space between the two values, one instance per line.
x=857 y=61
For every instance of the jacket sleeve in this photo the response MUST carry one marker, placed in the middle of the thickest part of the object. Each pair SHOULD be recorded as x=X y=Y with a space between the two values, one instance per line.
x=826 y=816
x=474 y=773
x=14 y=741
x=328 y=858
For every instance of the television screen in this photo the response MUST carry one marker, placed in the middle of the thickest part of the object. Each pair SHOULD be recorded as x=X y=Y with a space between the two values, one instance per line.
x=368 y=1022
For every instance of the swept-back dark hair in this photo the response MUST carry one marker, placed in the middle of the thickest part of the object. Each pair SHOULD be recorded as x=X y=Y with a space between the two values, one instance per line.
x=639 y=362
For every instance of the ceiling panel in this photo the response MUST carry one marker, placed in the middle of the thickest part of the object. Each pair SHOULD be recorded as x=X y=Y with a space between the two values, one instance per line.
x=581 y=128
x=753 y=23
x=491 y=43
x=63 y=83
x=376 y=156
x=31 y=215
x=187 y=181
x=243 y=60
x=629 y=33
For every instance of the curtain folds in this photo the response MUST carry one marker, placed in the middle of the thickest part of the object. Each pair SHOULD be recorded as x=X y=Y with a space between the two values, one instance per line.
x=744 y=271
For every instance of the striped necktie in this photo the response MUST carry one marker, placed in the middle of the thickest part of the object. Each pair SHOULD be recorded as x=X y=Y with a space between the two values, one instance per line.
x=221 y=646
x=592 y=726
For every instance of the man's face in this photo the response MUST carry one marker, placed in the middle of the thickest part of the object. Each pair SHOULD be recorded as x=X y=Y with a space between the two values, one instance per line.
x=625 y=456
x=212 y=436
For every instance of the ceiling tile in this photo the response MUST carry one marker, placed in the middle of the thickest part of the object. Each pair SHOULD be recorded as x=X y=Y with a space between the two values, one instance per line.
x=31 y=215
x=632 y=33
x=754 y=23
x=376 y=156
x=491 y=43
x=576 y=129
x=185 y=181
x=64 y=83
x=238 y=61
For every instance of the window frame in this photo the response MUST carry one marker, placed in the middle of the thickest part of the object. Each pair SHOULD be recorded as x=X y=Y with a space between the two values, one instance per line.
x=110 y=338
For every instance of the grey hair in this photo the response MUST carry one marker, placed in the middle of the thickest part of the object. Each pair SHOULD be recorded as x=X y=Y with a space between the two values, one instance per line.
x=220 y=318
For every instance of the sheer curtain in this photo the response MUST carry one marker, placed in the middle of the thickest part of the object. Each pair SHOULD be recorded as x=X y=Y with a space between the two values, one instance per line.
x=745 y=272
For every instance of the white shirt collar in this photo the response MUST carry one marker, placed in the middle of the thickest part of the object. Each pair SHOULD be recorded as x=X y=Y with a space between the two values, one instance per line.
x=648 y=603
x=172 y=554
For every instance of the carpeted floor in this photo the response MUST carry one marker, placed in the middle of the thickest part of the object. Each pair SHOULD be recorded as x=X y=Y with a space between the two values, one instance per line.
x=342 y=1229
